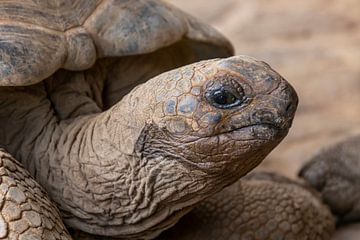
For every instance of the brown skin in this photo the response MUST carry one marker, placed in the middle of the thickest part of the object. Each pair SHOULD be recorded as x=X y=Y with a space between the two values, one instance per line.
x=136 y=168
x=335 y=173
x=26 y=210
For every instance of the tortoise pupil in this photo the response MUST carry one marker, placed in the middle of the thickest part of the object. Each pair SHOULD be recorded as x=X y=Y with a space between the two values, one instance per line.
x=223 y=97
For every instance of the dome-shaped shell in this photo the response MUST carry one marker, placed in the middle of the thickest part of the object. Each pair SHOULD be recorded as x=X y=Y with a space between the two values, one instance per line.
x=37 y=37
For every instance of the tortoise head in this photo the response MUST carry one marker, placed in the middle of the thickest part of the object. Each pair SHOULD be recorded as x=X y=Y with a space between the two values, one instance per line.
x=221 y=116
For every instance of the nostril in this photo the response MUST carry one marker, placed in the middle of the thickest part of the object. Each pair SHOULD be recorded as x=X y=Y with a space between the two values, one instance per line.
x=263 y=116
x=288 y=108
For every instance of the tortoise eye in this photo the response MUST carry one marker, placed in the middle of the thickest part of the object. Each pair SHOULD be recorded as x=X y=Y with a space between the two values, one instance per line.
x=224 y=98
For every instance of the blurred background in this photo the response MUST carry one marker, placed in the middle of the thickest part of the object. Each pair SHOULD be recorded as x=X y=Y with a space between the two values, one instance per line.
x=315 y=45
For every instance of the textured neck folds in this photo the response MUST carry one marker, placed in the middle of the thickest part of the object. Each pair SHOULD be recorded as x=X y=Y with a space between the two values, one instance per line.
x=104 y=184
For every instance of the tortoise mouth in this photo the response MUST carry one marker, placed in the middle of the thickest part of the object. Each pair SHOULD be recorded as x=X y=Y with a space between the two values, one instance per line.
x=250 y=132
x=259 y=131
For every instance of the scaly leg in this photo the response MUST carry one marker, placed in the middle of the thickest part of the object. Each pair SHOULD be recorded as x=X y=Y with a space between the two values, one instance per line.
x=335 y=172
x=26 y=212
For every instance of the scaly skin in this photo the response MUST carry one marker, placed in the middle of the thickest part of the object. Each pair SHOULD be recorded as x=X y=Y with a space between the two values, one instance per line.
x=262 y=206
x=26 y=212
x=133 y=170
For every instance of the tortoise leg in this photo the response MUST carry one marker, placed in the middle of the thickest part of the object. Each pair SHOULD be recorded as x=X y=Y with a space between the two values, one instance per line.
x=26 y=211
x=335 y=172
x=262 y=207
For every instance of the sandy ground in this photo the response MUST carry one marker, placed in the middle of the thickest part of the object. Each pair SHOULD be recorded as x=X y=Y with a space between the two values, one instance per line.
x=315 y=45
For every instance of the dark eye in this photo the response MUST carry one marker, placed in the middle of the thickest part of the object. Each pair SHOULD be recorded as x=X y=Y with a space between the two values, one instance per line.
x=224 y=98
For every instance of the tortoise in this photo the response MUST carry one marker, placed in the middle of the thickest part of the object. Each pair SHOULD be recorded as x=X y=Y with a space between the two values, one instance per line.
x=130 y=114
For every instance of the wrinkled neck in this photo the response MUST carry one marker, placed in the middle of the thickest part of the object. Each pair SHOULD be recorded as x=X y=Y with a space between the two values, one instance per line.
x=125 y=121
x=109 y=187
x=105 y=185
x=109 y=192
